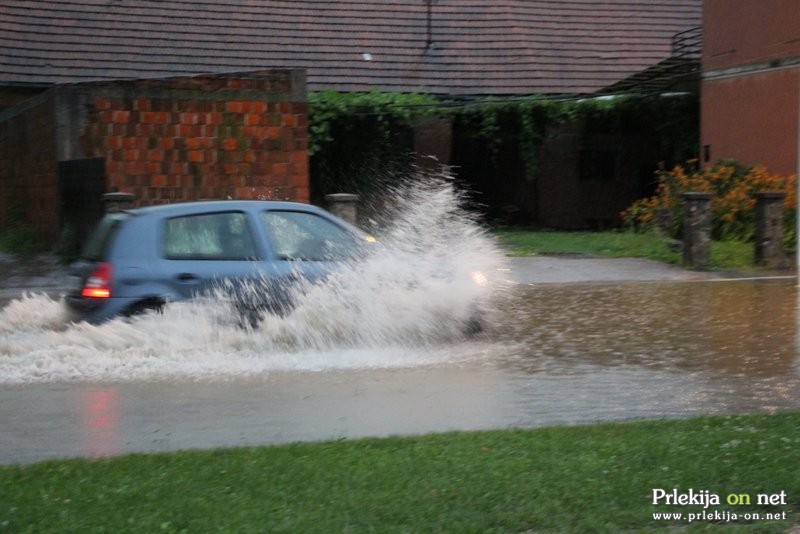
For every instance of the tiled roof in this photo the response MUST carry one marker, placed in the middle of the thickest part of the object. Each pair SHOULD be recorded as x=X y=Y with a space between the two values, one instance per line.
x=502 y=47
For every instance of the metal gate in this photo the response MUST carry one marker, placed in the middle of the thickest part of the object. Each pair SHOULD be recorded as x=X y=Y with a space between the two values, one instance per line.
x=81 y=185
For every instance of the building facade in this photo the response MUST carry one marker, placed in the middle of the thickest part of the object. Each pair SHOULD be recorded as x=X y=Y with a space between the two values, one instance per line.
x=751 y=83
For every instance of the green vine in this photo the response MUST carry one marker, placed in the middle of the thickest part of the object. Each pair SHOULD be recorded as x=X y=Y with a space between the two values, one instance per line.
x=350 y=132
x=388 y=111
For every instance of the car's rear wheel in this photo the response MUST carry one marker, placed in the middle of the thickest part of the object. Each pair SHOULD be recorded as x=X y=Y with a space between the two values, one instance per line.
x=146 y=306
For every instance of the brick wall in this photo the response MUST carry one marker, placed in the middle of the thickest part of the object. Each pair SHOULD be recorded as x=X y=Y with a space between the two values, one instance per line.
x=204 y=137
x=241 y=136
x=28 y=167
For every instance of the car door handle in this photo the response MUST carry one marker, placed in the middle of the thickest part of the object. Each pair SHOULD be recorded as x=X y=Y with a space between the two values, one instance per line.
x=187 y=277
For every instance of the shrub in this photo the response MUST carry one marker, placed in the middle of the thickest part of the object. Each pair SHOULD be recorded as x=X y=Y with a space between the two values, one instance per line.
x=732 y=206
x=20 y=239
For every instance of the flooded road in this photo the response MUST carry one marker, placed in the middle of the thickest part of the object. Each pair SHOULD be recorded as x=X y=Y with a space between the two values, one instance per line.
x=378 y=348
x=558 y=354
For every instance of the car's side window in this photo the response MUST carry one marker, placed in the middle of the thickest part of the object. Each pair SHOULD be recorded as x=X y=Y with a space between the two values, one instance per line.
x=209 y=236
x=298 y=235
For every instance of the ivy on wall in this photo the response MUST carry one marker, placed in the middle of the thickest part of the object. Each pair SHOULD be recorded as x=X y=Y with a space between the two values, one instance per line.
x=357 y=139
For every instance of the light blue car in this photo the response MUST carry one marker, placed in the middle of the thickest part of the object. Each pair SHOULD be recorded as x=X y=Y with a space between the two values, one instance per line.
x=140 y=259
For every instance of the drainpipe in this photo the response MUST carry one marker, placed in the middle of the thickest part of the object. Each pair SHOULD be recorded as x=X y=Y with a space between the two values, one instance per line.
x=797 y=180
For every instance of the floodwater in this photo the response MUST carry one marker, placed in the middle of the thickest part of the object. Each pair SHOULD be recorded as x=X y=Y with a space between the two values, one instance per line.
x=560 y=354
x=379 y=350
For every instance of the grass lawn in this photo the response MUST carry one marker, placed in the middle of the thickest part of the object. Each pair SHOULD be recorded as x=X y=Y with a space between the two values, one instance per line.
x=597 y=478
x=725 y=255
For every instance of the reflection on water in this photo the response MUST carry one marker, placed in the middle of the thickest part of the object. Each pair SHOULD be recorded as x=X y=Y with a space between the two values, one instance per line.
x=100 y=418
x=729 y=329
x=581 y=353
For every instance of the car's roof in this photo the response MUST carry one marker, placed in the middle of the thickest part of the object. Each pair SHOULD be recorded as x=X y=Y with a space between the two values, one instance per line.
x=183 y=208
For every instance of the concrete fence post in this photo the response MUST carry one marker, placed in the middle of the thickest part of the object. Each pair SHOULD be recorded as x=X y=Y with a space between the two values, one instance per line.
x=344 y=206
x=118 y=201
x=769 y=229
x=696 y=229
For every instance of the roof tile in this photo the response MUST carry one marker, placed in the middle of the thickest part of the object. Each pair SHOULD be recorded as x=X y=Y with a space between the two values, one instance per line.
x=503 y=47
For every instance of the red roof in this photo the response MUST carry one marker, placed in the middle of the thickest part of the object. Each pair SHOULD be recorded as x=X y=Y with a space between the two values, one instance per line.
x=502 y=47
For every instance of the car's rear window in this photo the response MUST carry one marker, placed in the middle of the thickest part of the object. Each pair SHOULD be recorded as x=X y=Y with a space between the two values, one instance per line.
x=209 y=236
x=102 y=235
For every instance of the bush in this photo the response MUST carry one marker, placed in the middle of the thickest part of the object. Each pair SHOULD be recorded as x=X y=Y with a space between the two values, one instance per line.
x=20 y=239
x=732 y=206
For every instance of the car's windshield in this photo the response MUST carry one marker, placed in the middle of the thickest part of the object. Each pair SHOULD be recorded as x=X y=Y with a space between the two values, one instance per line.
x=97 y=245
x=299 y=235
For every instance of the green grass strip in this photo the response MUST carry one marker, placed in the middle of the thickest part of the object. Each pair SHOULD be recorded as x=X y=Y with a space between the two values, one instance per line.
x=725 y=255
x=597 y=478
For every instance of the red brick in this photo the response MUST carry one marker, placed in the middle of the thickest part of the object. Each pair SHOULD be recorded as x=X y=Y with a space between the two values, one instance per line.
x=188 y=118
x=229 y=144
x=252 y=119
x=288 y=120
x=159 y=180
x=102 y=103
x=235 y=107
x=193 y=143
x=280 y=169
x=299 y=158
x=301 y=194
x=155 y=117
x=258 y=107
x=246 y=193
x=113 y=142
x=196 y=156
x=166 y=143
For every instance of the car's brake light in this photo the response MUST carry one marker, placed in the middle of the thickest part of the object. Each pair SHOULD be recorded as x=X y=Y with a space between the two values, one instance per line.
x=98 y=285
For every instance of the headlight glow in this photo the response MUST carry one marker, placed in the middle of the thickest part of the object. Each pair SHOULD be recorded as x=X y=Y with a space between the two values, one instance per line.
x=479 y=278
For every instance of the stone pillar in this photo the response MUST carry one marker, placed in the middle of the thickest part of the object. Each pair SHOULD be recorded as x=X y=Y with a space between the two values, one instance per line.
x=344 y=206
x=696 y=229
x=769 y=228
x=118 y=201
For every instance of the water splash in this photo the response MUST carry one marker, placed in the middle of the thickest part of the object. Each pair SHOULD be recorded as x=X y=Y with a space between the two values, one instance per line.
x=405 y=304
